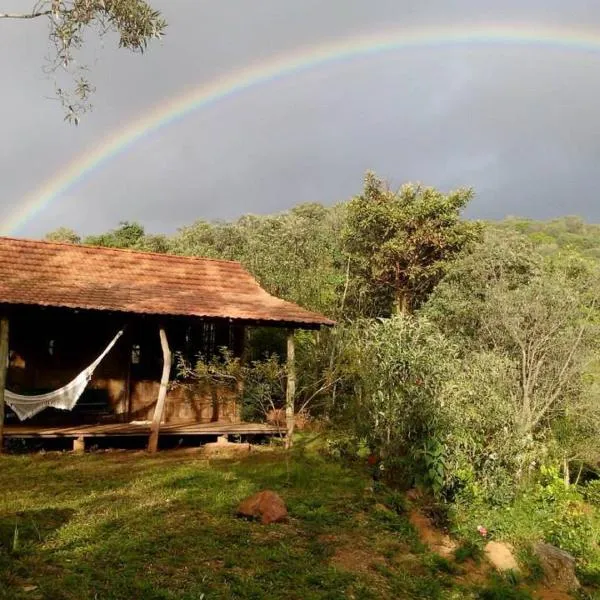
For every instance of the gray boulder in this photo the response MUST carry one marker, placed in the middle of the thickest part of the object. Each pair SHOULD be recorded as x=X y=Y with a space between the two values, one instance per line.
x=558 y=567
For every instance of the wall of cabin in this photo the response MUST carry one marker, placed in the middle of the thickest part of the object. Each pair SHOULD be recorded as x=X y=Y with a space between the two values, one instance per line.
x=49 y=347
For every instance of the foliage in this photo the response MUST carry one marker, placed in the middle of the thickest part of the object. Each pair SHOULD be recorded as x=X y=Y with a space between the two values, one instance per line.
x=591 y=492
x=262 y=381
x=503 y=589
x=64 y=235
x=546 y=511
x=458 y=303
x=468 y=550
x=570 y=233
x=399 y=244
x=127 y=235
x=523 y=394
x=295 y=255
x=342 y=445
x=394 y=373
x=134 y=21
x=263 y=388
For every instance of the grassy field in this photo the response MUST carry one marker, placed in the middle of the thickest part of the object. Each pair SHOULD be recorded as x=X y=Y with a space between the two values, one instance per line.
x=126 y=525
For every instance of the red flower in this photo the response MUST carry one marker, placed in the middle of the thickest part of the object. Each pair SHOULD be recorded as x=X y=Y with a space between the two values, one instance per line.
x=372 y=459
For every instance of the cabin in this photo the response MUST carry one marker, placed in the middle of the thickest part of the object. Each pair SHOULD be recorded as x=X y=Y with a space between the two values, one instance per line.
x=62 y=304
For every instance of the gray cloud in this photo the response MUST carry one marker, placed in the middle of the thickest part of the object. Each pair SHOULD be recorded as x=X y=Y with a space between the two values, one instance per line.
x=518 y=123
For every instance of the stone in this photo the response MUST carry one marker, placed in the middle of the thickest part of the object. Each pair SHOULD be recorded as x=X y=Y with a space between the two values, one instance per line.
x=558 y=567
x=501 y=556
x=266 y=506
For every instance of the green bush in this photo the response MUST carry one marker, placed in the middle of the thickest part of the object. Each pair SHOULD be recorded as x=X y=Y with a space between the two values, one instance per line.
x=342 y=445
x=567 y=524
x=591 y=492
x=468 y=550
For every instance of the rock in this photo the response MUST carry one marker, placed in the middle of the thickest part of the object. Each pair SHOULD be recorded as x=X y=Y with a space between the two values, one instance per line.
x=558 y=567
x=501 y=556
x=266 y=506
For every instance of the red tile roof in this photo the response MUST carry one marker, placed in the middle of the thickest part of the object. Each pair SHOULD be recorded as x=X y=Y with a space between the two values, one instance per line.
x=85 y=277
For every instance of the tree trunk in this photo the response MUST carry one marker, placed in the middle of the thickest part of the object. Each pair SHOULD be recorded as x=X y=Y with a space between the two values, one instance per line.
x=3 y=370
x=566 y=472
x=240 y=385
x=290 y=392
x=162 y=393
x=401 y=303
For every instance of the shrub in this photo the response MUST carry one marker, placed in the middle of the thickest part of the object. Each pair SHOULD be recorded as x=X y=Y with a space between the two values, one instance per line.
x=591 y=492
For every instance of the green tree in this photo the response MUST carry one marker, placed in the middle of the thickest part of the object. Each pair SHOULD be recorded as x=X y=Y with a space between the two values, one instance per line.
x=399 y=243
x=63 y=234
x=460 y=301
x=127 y=235
x=294 y=254
x=527 y=324
x=393 y=373
x=70 y=21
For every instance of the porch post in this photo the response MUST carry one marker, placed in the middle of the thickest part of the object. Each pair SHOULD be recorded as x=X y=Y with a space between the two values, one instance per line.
x=162 y=393
x=290 y=391
x=240 y=384
x=3 y=370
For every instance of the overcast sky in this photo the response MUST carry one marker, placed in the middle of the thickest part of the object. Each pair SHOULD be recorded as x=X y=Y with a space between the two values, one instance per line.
x=520 y=124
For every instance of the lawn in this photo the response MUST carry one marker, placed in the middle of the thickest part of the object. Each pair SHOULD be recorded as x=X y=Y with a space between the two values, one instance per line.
x=115 y=525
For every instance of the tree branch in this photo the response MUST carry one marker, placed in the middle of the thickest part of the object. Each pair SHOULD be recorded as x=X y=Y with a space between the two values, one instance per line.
x=31 y=15
x=561 y=380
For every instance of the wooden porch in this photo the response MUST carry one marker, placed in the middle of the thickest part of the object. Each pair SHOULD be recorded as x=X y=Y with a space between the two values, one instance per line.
x=206 y=430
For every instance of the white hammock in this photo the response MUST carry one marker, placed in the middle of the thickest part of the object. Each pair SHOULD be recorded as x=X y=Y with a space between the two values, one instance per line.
x=64 y=398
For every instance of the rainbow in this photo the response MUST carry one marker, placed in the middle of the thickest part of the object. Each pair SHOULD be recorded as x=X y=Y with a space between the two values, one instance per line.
x=283 y=66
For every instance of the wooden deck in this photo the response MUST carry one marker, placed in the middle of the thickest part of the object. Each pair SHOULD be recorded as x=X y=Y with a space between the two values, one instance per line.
x=135 y=429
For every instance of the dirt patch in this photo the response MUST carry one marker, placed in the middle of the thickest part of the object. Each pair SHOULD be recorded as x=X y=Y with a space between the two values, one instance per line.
x=433 y=538
x=544 y=593
x=352 y=553
x=353 y=559
x=328 y=538
x=473 y=573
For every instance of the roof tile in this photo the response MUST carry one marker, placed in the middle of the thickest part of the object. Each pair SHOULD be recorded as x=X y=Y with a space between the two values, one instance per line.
x=86 y=277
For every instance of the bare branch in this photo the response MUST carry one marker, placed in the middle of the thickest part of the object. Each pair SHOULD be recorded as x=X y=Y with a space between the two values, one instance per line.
x=561 y=380
x=31 y=15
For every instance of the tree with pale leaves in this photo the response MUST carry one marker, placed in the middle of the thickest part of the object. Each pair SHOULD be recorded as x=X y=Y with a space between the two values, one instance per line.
x=134 y=21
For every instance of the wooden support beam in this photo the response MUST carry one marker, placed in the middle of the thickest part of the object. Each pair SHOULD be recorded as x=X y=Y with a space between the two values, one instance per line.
x=240 y=383
x=290 y=392
x=162 y=393
x=3 y=371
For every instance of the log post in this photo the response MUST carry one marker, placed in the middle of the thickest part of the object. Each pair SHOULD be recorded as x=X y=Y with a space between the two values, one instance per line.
x=240 y=383
x=290 y=391
x=3 y=371
x=162 y=393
